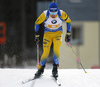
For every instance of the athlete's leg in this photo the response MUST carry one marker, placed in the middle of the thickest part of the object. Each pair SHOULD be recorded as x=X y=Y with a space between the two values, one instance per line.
x=46 y=49
x=57 y=40
x=47 y=41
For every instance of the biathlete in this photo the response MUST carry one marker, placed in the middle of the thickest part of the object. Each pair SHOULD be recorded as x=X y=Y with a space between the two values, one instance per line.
x=53 y=32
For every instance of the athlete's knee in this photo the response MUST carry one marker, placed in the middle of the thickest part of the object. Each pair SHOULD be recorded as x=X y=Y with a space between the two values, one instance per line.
x=45 y=55
x=56 y=53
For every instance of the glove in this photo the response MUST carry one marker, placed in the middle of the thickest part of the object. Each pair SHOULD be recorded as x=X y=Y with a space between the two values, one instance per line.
x=37 y=39
x=68 y=37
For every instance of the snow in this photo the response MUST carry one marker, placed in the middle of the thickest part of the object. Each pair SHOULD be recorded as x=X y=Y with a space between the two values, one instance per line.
x=67 y=77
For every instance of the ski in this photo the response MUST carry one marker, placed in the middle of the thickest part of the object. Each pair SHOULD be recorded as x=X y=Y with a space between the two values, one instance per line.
x=31 y=79
x=28 y=80
x=56 y=81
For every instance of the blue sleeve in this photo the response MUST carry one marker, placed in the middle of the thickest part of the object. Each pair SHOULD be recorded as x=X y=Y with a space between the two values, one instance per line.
x=68 y=27
x=36 y=28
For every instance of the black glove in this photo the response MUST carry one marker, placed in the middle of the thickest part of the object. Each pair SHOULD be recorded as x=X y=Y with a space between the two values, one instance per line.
x=68 y=37
x=37 y=39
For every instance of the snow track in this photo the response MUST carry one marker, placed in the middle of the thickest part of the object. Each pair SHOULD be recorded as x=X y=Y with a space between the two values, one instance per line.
x=67 y=77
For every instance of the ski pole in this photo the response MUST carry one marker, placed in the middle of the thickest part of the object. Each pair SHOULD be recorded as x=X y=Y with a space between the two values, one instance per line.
x=77 y=57
x=37 y=50
x=37 y=53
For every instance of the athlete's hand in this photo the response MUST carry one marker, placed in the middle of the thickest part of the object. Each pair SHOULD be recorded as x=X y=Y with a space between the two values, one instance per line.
x=37 y=39
x=68 y=37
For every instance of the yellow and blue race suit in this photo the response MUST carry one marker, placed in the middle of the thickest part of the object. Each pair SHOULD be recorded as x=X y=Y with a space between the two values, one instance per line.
x=53 y=33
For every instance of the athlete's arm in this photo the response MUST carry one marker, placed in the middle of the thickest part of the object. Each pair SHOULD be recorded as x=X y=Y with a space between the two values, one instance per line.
x=66 y=18
x=39 y=20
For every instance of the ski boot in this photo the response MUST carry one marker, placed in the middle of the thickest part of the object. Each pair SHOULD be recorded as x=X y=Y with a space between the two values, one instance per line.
x=39 y=72
x=55 y=71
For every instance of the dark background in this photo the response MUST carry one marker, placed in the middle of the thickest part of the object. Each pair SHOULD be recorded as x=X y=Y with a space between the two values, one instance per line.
x=19 y=16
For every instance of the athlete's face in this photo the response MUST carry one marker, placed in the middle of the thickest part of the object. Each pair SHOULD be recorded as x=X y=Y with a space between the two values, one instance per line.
x=53 y=14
